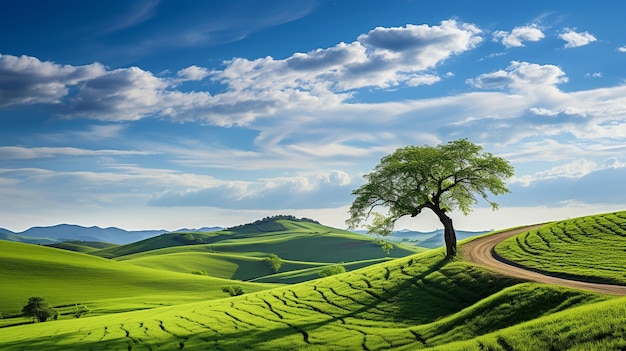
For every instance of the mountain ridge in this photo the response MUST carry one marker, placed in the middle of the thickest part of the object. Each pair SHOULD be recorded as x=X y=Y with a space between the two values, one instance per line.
x=72 y=232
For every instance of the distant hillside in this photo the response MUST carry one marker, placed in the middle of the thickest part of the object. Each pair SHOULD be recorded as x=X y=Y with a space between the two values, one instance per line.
x=82 y=246
x=6 y=234
x=69 y=232
x=269 y=224
x=303 y=246
x=429 y=240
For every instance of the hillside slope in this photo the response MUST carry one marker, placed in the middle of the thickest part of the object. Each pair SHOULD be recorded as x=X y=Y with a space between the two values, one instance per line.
x=303 y=247
x=67 y=278
x=591 y=248
x=416 y=302
x=411 y=303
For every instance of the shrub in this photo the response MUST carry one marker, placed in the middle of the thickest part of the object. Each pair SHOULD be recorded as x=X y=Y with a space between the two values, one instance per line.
x=385 y=245
x=332 y=270
x=233 y=290
x=80 y=310
x=274 y=262
x=37 y=307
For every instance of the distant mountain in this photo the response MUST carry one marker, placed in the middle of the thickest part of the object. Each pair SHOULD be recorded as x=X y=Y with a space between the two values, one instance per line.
x=198 y=230
x=70 y=232
x=430 y=240
x=437 y=240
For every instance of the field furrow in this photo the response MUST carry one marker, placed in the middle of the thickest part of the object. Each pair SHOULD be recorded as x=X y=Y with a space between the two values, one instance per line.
x=590 y=248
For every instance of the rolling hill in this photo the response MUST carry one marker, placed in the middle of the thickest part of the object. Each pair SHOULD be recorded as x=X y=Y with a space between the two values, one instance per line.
x=421 y=301
x=69 y=278
x=304 y=247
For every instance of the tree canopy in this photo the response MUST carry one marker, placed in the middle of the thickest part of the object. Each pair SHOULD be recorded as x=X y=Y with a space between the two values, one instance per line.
x=38 y=308
x=441 y=178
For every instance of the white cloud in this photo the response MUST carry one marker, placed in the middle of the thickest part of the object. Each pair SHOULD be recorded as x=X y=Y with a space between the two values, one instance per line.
x=621 y=49
x=381 y=58
x=321 y=190
x=518 y=35
x=576 y=182
x=137 y=13
x=574 y=169
x=119 y=95
x=27 y=80
x=574 y=39
x=193 y=73
x=21 y=153
x=593 y=75
x=521 y=75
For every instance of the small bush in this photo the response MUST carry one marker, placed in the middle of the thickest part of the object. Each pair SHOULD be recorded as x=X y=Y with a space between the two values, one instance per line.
x=233 y=290
x=80 y=310
x=201 y=272
x=332 y=270
x=37 y=307
x=274 y=262
x=385 y=245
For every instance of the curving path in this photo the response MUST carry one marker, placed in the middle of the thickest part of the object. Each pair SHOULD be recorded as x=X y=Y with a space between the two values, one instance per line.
x=480 y=251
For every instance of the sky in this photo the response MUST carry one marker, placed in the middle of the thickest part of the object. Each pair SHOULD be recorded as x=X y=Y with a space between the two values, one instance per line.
x=163 y=114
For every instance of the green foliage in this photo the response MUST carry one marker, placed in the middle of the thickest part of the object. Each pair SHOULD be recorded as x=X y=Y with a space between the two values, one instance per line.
x=587 y=247
x=233 y=290
x=37 y=308
x=440 y=178
x=332 y=270
x=269 y=224
x=80 y=310
x=274 y=262
x=385 y=245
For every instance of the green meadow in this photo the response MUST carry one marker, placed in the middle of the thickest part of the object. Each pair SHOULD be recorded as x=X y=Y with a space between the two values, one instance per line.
x=418 y=301
x=590 y=248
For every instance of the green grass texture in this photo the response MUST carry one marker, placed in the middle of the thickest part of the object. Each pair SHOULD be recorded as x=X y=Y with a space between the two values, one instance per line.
x=67 y=278
x=421 y=301
x=409 y=303
x=304 y=248
x=590 y=248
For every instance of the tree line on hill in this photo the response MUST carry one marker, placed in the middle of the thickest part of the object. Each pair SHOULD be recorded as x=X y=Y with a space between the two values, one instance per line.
x=271 y=220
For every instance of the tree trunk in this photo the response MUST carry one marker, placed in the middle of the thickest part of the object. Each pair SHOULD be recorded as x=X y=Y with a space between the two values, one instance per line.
x=449 y=234
x=450 y=237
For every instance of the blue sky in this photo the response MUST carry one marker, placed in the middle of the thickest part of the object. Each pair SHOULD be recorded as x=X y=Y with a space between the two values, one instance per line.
x=166 y=114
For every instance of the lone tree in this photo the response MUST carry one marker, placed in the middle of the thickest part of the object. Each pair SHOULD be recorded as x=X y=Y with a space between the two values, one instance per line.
x=441 y=178
x=37 y=307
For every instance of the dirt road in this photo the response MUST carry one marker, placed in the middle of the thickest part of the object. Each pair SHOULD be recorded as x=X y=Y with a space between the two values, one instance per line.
x=480 y=251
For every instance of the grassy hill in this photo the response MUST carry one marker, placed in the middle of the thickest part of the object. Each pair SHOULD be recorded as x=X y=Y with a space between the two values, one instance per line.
x=415 y=302
x=10 y=236
x=304 y=248
x=68 y=278
x=409 y=303
x=82 y=246
x=591 y=248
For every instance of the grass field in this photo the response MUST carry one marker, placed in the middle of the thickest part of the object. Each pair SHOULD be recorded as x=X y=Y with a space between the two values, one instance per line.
x=415 y=302
x=407 y=303
x=591 y=248
x=304 y=248
x=165 y=270
x=68 y=278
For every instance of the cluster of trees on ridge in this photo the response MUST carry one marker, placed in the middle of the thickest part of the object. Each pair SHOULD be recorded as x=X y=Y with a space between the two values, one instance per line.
x=269 y=223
